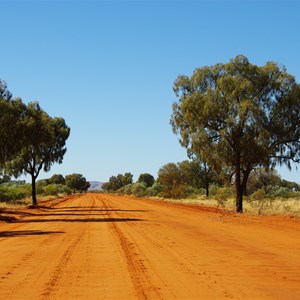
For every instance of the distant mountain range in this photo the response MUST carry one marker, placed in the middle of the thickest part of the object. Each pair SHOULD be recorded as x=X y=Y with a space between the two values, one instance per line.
x=95 y=185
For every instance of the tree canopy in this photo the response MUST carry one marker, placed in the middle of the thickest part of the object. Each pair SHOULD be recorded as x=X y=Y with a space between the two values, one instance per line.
x=116 y=182
x=147 y=179
x=239 y=116
x=12 y=112
x=57 y=179
x=76 y=181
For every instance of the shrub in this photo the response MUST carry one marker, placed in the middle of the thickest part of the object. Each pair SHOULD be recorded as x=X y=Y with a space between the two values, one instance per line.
x=128 y=189
x=177 y=191
x=13 y=193
x=213 y=189
x=223 y=194
x=279 y=191
x=139 y=189
x=154 y=190
x=64 y=189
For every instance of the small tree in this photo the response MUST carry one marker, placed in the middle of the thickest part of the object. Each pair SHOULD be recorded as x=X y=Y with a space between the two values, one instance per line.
x=147 y=179
x=76 y=181
x=57 y=179
x=116 y=182
x=263 y=179
x=172 y=181
x=202 y=172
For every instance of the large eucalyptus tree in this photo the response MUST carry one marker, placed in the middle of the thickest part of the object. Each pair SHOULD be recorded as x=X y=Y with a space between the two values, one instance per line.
x=239 y=115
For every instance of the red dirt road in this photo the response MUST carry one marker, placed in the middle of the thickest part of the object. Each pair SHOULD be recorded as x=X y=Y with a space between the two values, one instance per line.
x=110 y=247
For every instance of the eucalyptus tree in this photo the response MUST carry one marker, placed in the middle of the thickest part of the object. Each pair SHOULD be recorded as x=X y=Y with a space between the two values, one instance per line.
x=57 y=179
x=147 y=179
x=45 y=144
x=173 y=180
x=203 y=174
x=76 y=181
x=239 y=116
x=116 y=182
x=12 y=113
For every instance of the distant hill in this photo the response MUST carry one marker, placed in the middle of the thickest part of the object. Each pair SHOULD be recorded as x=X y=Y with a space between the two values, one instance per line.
x=95 y=185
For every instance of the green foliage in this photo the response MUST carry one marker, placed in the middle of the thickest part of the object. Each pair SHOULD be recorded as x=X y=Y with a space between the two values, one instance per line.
x=43 y=182
x=223 y=194
x=213 y=189
x=55 y=190
x=57 y=179
x=4 y=179
x=50 y=190
x=239 y=116
x=117 y=182
x=259 y=195
x=77 y=182
x=154 y=190
x=169 y=177
x=128 y=189
x=147 y=179
x=293 y=186
x=14 y=192
x=284 y=192
x=139 y=189
x=202 y=173
x=184 y=178
x=12 y=136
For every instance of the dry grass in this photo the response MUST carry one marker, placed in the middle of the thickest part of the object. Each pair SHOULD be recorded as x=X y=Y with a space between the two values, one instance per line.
x=24 y=202
x=15 y=204
x=278 y=206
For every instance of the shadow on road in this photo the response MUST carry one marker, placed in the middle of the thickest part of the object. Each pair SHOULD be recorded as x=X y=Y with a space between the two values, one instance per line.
x=68 y=214
x=26 y=232
x=102 y=220
x=88 y=209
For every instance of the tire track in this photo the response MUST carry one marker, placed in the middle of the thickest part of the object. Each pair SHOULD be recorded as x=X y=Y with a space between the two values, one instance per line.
x=49 y=290
x=138 y=272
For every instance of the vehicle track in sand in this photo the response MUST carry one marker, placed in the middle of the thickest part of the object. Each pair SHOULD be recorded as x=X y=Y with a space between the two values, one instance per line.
x=99 y=246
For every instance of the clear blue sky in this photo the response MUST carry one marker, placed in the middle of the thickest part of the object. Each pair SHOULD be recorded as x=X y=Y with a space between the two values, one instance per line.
x=108 y=68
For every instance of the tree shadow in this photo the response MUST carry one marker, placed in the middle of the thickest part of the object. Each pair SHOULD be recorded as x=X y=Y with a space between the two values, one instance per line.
x=8 y=219
x=88 y=209
x=68 y=214
x=82 y=220
x=26 y=233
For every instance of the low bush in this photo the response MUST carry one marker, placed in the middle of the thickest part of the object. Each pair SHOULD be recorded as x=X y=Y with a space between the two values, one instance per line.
x=55 y=190
x=139 y=189
x=13 y=193
x=223 y=194
x=154 y=190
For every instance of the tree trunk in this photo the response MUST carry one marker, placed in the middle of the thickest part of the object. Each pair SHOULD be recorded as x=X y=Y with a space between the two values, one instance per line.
x=238 y=190
x=33 y=188
x=239 y=199
x=207 y=189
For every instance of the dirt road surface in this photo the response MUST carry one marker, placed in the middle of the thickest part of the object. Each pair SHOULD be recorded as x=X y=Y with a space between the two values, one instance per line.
x=112 y=247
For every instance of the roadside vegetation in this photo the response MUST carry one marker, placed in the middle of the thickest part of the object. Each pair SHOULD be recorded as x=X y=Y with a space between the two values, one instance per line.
x=18 y=192
x=266 y=192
